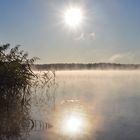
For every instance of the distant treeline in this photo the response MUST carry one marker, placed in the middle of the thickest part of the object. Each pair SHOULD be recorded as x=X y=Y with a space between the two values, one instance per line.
x=89 y=66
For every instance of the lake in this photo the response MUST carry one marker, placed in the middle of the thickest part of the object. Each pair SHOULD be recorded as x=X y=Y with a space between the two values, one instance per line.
x=99 y=105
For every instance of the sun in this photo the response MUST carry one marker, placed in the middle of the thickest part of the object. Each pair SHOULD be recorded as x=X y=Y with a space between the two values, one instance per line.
x=73 y=17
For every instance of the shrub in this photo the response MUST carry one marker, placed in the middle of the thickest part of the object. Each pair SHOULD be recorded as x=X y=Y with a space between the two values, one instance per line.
x=15 y=73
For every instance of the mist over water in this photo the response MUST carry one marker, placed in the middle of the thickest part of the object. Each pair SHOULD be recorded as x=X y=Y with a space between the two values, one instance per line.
x=112 y=98
x=86 y=105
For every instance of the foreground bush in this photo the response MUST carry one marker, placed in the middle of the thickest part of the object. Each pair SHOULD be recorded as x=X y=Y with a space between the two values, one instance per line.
x=20 y=87
x=15 y=74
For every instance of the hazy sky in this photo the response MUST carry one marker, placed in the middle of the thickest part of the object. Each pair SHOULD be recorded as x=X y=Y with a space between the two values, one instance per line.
x=110 y=30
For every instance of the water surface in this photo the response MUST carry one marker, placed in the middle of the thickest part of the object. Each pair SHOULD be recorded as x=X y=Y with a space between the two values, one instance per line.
x=99 y=105
x=112 y=97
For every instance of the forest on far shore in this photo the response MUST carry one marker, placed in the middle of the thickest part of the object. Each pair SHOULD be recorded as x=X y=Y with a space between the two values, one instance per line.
x=88 y=66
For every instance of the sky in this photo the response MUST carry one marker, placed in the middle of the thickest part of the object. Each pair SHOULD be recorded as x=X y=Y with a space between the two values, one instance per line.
x=109 y=32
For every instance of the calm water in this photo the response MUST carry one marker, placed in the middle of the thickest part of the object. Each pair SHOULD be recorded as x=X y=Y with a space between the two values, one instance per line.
x=91 y=105
x=113 y=98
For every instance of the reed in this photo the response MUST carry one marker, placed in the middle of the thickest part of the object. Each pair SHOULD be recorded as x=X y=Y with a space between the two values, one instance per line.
x=15 y=74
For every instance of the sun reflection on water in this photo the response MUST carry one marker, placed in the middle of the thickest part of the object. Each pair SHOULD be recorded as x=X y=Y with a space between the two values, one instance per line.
x=72 y=118
x=73 y=124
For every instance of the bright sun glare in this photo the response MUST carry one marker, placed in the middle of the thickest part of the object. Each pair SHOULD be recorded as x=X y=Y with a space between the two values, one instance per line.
x=73 y=124
x=73 y=17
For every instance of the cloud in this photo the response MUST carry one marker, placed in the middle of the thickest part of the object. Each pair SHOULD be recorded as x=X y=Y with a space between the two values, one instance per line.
x=93 y=35
x=122 y=58
x=81 y=37
x=86 y=36
x=115 y=57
